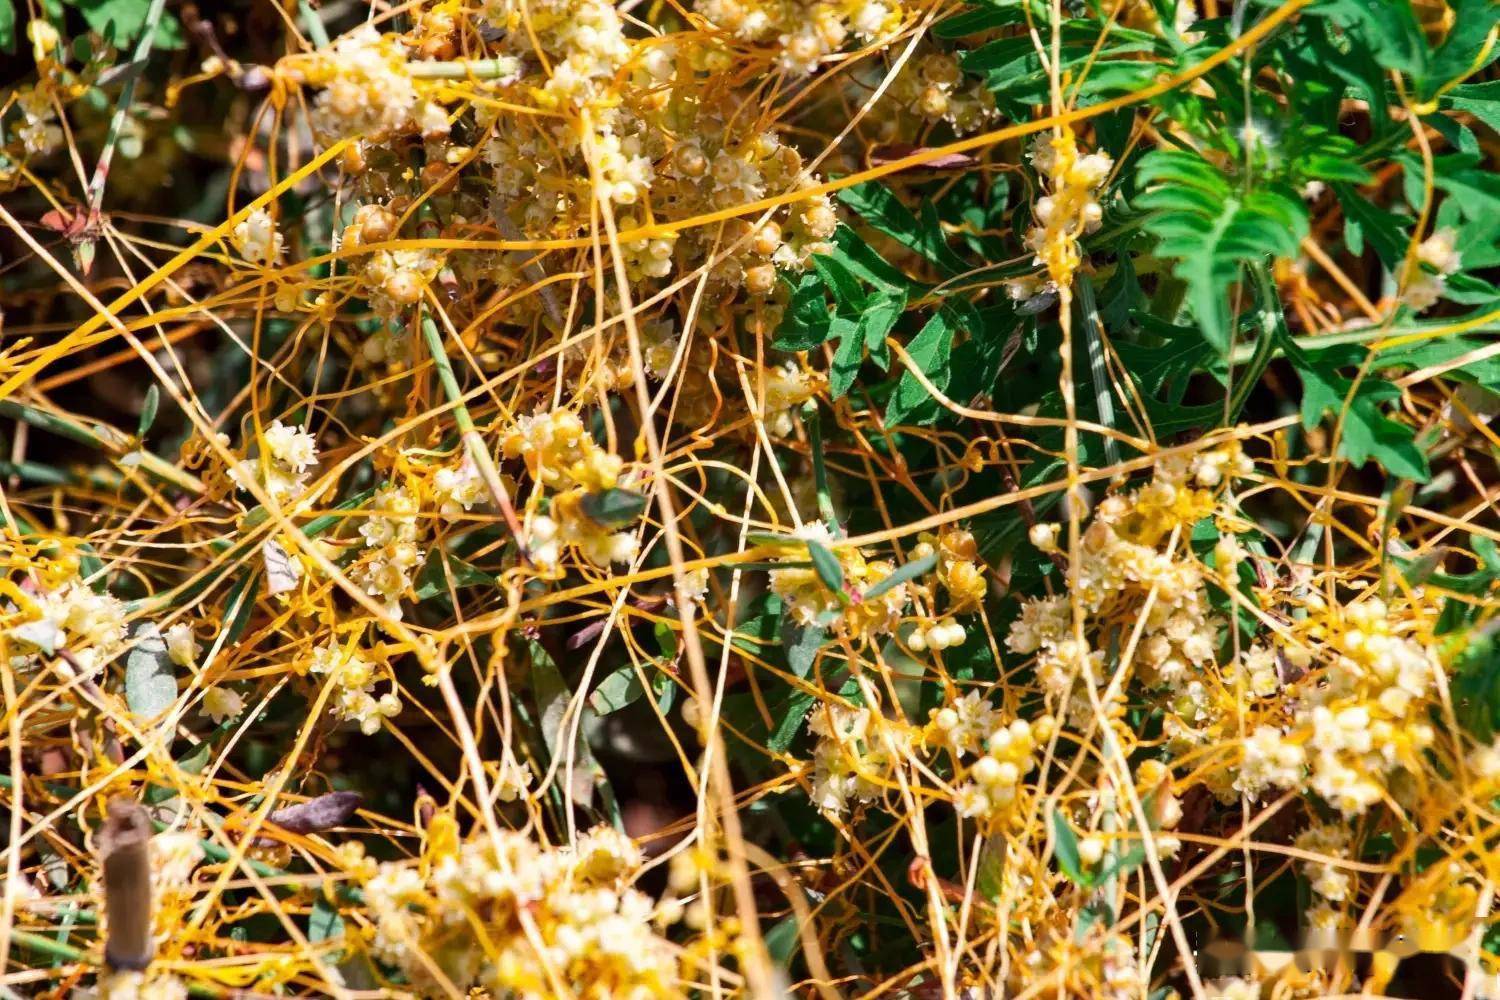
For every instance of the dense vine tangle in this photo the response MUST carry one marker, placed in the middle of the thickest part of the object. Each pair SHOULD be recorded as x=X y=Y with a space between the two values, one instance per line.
x=514 y=471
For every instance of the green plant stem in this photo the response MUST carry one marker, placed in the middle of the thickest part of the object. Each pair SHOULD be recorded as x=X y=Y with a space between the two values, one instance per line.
x=106 y=439
x=117 y=122
x=1104 y=399
x=474 y=445
x=814 y=423
x=57 y=949
x=462 y=69
x=313 y=22
x=1270 y=334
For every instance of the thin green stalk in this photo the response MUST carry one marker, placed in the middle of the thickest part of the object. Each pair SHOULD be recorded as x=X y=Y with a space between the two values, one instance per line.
x=474 y=444
x=106 y=439
x=462 y=69
x=116 y=123
x=1104 y=393
x=814 y=423
x=313 y=22
x=1271 y=332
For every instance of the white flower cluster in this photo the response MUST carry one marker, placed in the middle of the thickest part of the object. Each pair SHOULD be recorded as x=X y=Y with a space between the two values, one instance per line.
x=74 y=616
x=39 y=132
x=354 y=697
x=934 y=87
x=257 y=239
x=787 y=388
x=392 y=280
x=391 y=551
x=1424 y=288
x=458 y=489
x=1069 y=209
x=856 y=752
x=368 y=89
x=592 y=931
x=1120 y=563
x=803 y=33
x=1370 y=717
x=1330 y=885
x=286 y=453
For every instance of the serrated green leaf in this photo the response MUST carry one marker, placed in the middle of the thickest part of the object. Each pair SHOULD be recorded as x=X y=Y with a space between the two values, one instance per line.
x=805 y=324
x=1211 y=229
x=879 y=207
x=847 y=358
x=879 y=317
x=930 y=350
x=1367 y=432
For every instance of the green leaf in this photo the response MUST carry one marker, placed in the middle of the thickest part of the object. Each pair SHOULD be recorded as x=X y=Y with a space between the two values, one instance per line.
x=1482 y=100
x=7 y=26
x=614 y=508
x=324 y=922
x=827 y=565
x=619 y=689
x=1367 y=432
x=150 y=674
x=121 y=22
x=986 y=17
x=666 y=640
x=443 y=569
x=803 y=643
x=1212 y=229
x=241 y=605
x=148 y=408
x=930 y=350
x=782 y=939
x=989 y=878
x=805 y=324
x=884 y=212
x=1065 y=848
x=848 y=296
x=879 y=317
x=859 y=258
x=791 y=721
x=552 y=698
x=910 y=571
x=847 y=359
x=1386 y=232
x=1476 y=684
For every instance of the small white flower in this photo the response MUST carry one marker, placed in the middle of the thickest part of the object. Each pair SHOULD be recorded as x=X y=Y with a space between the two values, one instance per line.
x=257 y=239
x=220 y=703
x=182 y=647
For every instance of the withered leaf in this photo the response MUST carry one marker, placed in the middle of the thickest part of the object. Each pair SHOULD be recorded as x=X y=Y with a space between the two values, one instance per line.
x=315 y=815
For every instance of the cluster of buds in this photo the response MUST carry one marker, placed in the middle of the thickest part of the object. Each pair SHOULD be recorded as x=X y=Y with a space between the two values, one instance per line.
x=1070 y=208
x=353 y=698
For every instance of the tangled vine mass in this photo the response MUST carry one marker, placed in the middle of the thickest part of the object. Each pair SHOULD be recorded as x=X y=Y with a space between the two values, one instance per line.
x=714 y=498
